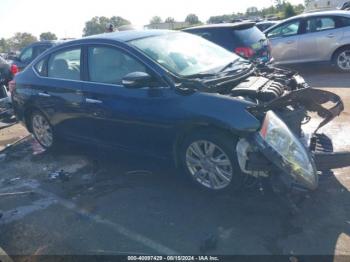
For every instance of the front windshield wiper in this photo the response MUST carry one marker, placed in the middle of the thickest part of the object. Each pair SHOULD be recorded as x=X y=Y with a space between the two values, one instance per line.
x=199 y=75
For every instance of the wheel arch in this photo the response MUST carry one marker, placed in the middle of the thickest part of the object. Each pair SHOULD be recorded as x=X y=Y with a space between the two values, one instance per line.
x=337 y=50
x=188 y=129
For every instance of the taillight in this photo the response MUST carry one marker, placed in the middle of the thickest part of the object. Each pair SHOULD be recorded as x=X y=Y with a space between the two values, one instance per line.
x=12 y=86
x=246 y=52
x=14 y=69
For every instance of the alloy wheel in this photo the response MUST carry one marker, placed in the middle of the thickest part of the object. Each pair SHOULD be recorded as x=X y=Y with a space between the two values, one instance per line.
x=343 y=60
x=42 y=130
x=209 y=165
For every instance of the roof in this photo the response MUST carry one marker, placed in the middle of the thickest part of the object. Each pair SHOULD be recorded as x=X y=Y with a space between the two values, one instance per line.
x=333 y=12
x=232 y=25
x=267 y=22
x=125 y=36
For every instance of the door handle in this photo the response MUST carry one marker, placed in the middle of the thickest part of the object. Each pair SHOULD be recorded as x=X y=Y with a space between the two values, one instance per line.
x=290 y=42
x=44 y=94
x=330 y=35
x=93 y=101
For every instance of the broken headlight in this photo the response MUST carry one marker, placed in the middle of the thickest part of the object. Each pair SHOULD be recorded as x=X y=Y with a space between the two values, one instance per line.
x=293 y=156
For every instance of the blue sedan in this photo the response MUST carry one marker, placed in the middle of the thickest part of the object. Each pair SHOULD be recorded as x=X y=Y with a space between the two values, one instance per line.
x=171 y=95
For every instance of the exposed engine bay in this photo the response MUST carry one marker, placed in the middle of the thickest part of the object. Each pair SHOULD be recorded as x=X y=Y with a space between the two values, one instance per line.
x=286 y=92
x=282 y=101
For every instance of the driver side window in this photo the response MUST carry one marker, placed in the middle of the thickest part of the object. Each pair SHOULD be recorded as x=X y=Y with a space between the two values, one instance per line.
x=109 y=65
x=285 y=30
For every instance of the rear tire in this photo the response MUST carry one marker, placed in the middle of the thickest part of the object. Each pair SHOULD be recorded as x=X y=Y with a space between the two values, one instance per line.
x=341 y=59
x=208 y=159
x=42 y=130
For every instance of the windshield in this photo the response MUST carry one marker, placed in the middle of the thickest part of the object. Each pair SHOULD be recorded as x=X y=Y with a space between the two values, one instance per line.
x=185 y=54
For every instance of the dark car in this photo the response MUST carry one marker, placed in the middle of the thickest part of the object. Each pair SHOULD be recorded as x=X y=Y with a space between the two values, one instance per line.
x=242 y=38
x=175 y=96
x=6 y=76
x=263 y=25
x=30 y=52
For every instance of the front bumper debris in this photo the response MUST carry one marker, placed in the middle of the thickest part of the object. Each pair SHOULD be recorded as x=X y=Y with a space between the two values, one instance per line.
x=327 y=104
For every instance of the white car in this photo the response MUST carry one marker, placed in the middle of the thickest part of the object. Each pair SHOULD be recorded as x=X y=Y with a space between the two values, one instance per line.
x=312 y=37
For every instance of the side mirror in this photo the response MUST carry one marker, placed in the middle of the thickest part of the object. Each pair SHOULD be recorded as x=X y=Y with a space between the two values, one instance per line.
x=137 y=80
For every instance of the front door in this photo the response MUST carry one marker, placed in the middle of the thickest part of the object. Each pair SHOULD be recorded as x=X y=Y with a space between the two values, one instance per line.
x=285 y=42
x=133 y=119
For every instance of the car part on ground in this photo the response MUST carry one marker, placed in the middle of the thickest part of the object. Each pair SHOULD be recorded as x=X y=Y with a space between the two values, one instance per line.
x=175 y=95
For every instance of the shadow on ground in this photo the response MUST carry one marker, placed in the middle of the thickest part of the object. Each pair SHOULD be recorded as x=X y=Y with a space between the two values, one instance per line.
x=149 y=197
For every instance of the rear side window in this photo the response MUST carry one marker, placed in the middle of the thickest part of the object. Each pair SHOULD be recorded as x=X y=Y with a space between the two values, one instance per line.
x=65 y=64
x=344 y=21
x=110 y=65
x=318 y=24
x=26 y=55
x=221 y=36
x=250 y=36
x=285 y=30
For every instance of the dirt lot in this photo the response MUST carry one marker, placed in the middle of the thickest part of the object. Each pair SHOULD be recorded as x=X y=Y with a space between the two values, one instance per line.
x=111 y=203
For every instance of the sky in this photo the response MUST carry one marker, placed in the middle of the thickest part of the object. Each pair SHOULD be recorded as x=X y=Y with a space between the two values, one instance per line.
x=66 y=18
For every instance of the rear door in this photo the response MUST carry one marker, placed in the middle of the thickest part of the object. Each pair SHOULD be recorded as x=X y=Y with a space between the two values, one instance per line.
x=58 y=92
x=322 y=35
x=285 y=41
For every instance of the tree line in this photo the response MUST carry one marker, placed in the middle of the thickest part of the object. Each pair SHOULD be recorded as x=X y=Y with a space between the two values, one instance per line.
x=280 y=9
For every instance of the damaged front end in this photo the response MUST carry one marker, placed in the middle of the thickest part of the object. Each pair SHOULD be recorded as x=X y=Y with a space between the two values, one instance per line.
x=281 y=145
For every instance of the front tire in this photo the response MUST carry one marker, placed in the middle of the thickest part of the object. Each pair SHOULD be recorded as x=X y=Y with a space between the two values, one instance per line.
x=42 y=130
x=342 y=59
x=209 y=160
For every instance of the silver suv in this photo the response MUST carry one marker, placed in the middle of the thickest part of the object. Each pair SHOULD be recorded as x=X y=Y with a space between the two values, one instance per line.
x=313 y=37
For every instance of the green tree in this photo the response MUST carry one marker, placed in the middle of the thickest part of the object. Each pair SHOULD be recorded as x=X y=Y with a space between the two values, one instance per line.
x=3 y=45
x=118 y=21
x=47 y=36
x=289 y=10
x=169 y=20
x=97 y=25
x=20 y=40
x=299 y=8
x=192 y=19
x=155 y=20
x=252 y=11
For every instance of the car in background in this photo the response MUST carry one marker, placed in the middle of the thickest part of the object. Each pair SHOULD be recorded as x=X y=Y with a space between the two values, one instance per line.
x=313 y=37
x=6 y=75
x=30 y=52
x=263 y=25
x=176 y=96
x=242 y=38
